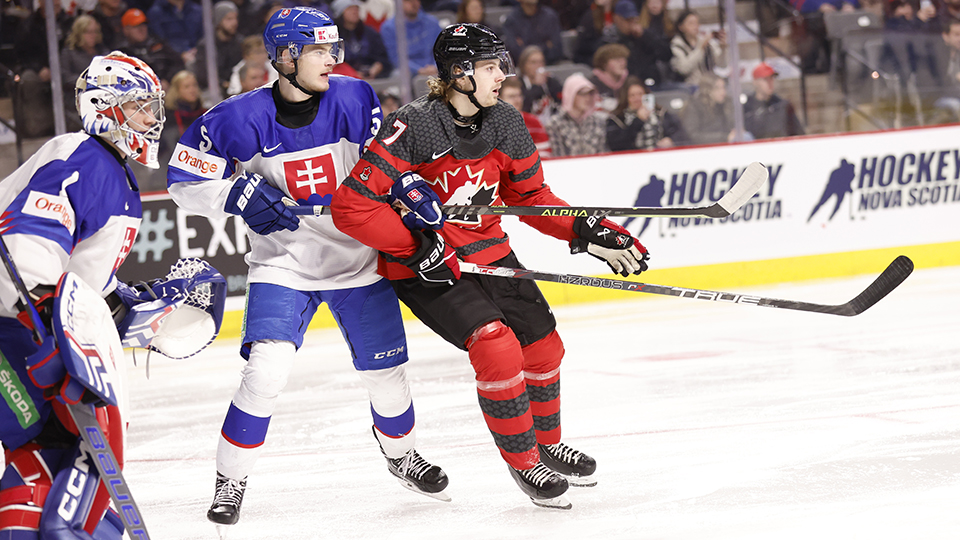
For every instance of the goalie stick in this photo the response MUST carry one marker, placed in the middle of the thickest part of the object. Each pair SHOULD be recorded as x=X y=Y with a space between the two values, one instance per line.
x=92 y=439
x=888 y=280
x=749 y=182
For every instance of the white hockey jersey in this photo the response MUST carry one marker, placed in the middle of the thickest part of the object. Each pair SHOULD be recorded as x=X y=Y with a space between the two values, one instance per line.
x=73 y=206
x=307 y=164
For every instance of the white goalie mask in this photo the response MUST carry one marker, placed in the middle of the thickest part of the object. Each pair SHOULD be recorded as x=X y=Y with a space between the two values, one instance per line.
x=102 y=90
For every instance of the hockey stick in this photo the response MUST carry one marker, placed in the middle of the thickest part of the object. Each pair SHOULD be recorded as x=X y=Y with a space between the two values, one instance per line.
x=746 y=186
x=888 y=280
x=92 y=439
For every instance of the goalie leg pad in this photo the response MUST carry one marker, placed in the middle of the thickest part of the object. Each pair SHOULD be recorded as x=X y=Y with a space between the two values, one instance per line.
x=498 y=360
x=73 y=510
x=24 y=489
x=542 y=376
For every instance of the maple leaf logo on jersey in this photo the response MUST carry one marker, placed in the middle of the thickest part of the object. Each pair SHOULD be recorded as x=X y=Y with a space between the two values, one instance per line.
x=311 y=180
x=463 y=186
x=365 y=173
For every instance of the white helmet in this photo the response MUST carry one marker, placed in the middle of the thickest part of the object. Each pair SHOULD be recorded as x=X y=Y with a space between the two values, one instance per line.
x=109 y=82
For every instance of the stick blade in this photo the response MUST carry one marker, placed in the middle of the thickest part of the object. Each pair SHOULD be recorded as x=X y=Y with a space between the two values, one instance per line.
x=751 y=180
x=891 y=278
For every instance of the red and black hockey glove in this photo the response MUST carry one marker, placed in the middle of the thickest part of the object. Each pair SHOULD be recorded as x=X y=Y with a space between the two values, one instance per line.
x=435 y=263
x=610 y=243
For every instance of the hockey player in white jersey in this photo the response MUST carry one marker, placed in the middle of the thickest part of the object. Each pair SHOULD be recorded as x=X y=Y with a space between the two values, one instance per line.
x=74 y=206
x=296 y=140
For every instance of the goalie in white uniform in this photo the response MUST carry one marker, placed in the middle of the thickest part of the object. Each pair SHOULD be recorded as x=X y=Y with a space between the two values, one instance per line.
x=73 y=210
x=298 y=139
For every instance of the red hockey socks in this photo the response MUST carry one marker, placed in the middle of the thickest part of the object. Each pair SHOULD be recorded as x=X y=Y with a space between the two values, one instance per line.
x=541 y=366
x=498 y=360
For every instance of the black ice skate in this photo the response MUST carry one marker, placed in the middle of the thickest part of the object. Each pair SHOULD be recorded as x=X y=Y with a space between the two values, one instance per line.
x=225 y=509
x=576 y=466
x=544 y=486
x=419 y=475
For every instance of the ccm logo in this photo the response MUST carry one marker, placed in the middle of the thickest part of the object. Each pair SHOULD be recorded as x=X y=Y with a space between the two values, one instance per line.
x=388 y=354
x=198 y=163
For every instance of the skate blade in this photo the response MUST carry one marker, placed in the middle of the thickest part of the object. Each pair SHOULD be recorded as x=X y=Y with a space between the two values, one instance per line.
x=222 y=531
x=581 y=481
x=556 y=503
x=440 y=495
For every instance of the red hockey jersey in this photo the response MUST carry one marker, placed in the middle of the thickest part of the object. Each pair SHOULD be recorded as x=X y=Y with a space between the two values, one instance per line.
x=498 y=166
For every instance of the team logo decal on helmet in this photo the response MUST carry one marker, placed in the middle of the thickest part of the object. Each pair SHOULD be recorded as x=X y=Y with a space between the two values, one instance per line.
x=459 y=47
x=292 y=28
x=101 y=91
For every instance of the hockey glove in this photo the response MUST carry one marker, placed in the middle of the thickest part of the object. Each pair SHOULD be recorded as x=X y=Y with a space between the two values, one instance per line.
x=47 y=371
x=423 y=203
x=260 y=205
x=610 y=243
x=435 y=263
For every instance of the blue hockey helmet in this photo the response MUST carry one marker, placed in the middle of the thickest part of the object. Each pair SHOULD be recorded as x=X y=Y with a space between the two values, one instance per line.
x=292 y=28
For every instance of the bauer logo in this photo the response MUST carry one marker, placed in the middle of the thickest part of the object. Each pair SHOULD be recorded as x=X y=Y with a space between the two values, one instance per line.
x=887 y=182
x=198 y=163
x=55 y=207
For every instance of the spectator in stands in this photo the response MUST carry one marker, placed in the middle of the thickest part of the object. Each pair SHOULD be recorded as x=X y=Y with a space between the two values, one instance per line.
x=900 y=17
x=947 y=75
x=532 y=24
x=695 y=53
x=183 y=105
x=33 y=59
x=364 y=48
x=422 y=30
x=578 y=129
x=471 y=11
x=255 y=53
x=650 y=46
x=179 y=23
x=108 y=14
x=541 y=92
x=389 y=101
x=570 y=11
x=765 y=114
x=638 y=123
x=248 y=16
x=374 y=13
x=156 y=53
x=708 y=118
x=595 y=29
x=511 y=91
x=812 y=43
x=609 y=73
x=252 y=76
x=84 y=42
x=228 y=46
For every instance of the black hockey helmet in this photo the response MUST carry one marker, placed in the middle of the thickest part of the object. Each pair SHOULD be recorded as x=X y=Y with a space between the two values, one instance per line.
x=462 y=45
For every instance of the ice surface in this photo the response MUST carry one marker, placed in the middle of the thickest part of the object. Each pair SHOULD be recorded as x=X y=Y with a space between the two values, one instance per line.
x=708 y=421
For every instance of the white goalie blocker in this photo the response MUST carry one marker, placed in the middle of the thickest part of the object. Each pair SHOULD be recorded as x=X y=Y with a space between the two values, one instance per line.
x=179 y=315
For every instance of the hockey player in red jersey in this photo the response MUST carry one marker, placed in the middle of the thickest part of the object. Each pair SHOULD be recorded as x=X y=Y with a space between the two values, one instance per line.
x=472 y=148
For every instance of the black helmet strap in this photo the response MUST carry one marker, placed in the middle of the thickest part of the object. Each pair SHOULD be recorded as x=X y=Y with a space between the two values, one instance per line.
x=292 y=77
x=470 y=94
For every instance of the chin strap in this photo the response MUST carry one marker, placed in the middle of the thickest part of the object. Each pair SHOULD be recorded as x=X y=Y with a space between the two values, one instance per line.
x=292 y=78
x=470 y=95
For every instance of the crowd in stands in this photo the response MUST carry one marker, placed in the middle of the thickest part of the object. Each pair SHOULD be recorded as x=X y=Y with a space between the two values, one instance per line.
x=629 y=49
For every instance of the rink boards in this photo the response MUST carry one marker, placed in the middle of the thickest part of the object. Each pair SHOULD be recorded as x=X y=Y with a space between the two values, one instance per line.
x=833 y=206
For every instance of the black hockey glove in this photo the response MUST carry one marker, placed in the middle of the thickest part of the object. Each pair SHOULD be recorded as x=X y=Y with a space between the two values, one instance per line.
x=610 y=243
x=260 y=205
x=435 y=263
